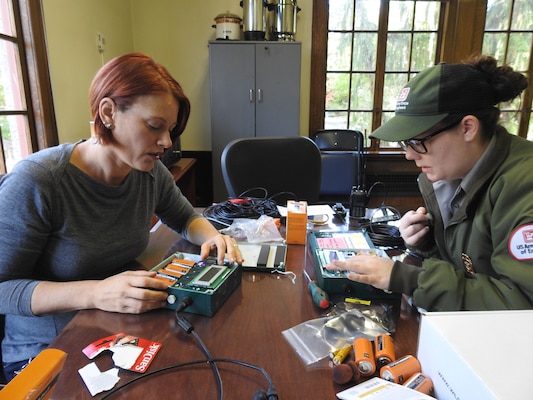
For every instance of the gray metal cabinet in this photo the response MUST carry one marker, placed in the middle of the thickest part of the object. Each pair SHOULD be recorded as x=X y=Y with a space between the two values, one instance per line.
x=254 y=91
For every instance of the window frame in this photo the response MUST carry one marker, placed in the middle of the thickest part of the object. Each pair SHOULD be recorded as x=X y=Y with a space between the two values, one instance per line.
x=35 y=75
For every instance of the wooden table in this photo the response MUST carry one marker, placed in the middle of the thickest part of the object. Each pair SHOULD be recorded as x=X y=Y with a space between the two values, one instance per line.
x=247 y=328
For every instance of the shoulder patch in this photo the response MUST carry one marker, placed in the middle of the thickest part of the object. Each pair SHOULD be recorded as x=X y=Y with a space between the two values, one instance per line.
x=520 y=244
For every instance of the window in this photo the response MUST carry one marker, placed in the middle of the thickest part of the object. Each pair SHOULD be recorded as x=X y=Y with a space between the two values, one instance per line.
x=508 y=35
x=366 y=51
x=27 y=121
x=362 y=82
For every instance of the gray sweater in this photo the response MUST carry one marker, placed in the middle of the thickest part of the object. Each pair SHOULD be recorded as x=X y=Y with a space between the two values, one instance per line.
x=59 y=224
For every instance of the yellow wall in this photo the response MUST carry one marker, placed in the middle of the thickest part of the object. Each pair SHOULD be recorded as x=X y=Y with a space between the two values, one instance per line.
x=175 y=33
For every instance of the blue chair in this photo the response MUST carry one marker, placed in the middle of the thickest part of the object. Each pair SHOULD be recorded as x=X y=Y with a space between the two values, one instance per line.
x=343 y=165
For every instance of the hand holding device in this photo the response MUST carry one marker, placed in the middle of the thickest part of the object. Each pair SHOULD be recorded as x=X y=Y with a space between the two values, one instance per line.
x=414 y=226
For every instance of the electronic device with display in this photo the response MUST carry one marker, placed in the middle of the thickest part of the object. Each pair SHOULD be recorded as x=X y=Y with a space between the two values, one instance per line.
x=207 y=284
x=327 y=246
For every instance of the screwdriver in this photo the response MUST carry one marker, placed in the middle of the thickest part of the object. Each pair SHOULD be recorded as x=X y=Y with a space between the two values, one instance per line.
x=320 y=298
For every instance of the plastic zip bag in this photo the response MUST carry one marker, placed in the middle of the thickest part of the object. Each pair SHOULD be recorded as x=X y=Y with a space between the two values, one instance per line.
x=313 y=340
x=259 y=230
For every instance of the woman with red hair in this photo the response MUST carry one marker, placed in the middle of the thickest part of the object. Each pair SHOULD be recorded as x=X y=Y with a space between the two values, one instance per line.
x=72 y=217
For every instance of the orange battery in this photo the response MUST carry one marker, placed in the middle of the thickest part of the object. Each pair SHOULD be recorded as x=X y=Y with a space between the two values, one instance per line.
x=364 y=356
x=170 y=272
x=400 y=370
x=182 y=261
x=421 y=383
x=166 y=279
x=181 y=269
x=384 y=350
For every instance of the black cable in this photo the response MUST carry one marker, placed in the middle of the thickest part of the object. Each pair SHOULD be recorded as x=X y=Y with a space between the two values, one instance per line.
x=244 y=207
x=188 y=364
x=381 y=233
x=189 y=329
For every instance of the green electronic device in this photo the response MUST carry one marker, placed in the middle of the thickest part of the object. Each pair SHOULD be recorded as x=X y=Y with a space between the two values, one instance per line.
x=327 y=246
x=207 y=284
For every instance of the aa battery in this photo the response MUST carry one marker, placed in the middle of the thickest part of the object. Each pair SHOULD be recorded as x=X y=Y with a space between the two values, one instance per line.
x=364 y=356
x=340 y=355
x=420 y=383
x=400 y=370
x=384 y=350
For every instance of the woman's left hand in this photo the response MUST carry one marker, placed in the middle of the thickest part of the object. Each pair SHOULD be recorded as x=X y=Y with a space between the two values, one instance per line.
x=370 y=269
x=223 y=244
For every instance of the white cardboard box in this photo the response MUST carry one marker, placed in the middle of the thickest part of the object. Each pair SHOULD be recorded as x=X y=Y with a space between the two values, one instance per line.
x=472 y=355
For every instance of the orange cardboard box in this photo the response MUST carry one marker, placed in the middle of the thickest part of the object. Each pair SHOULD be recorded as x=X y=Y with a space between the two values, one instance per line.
x=38 y=379
x=296 y=222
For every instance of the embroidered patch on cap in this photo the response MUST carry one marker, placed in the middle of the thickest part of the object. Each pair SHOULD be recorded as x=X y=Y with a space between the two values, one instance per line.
x=521 y=243
x=403 y=94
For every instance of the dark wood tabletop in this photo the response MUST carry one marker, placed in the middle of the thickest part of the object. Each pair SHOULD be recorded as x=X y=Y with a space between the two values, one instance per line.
x=248 y=328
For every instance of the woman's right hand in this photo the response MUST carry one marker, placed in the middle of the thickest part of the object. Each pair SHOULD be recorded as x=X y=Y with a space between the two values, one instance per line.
x=414 y=226
x=131 y=292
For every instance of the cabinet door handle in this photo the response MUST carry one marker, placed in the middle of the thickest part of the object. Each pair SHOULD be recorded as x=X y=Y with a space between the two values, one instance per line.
x=259 y=95
x=252 y=96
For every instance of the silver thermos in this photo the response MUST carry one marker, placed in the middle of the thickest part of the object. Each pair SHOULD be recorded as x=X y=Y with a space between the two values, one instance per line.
x=254 y=19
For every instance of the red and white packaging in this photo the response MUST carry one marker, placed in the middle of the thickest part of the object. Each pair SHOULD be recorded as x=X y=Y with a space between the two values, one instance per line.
x=129 y=352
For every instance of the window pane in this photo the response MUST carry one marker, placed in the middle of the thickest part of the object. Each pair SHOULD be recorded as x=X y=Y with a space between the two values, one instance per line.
x=364 y=51
x=362 y=92
x=6 y=18
x=424 y=49
x=494 y=44
x=398 y=50
x=366 y=15
x=498 y=15
x=522 y=16
x=427 y=16
x=401 y=15
x=361 y=121
x=510 y=120
x=530 y=130
x=11 y=97
x=519 y=50
x=394 y=83
x=336 y=120
x=15 y=140
x=337 y=89
x=340 y=15
x=339 y=50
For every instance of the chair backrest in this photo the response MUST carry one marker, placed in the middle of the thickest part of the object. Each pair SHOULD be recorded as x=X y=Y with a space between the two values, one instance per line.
x=343 y=163
x=338 y=139
x=276 y=164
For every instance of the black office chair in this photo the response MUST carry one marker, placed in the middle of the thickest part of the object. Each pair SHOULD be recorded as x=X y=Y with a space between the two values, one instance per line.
x=343 y=166
x=285 y=168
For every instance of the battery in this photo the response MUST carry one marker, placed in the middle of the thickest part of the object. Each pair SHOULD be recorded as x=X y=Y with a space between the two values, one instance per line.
x=340 y=356
x=384 y=350
x=421 y=383
x=400 y=370
x=364 y=356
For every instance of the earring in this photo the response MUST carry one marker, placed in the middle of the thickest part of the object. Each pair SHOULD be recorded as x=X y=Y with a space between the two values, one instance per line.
x=108 y=125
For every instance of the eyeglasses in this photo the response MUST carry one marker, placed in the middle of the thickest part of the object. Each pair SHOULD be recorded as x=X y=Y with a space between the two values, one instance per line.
x=419 y=145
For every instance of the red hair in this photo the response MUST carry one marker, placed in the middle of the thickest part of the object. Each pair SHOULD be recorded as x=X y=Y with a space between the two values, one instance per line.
x=127 y=77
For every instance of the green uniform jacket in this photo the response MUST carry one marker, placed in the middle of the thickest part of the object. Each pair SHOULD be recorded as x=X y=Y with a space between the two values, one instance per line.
x=483 y=260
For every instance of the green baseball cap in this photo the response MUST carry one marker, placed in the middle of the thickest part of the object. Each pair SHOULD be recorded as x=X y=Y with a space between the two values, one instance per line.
x=432 y=95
